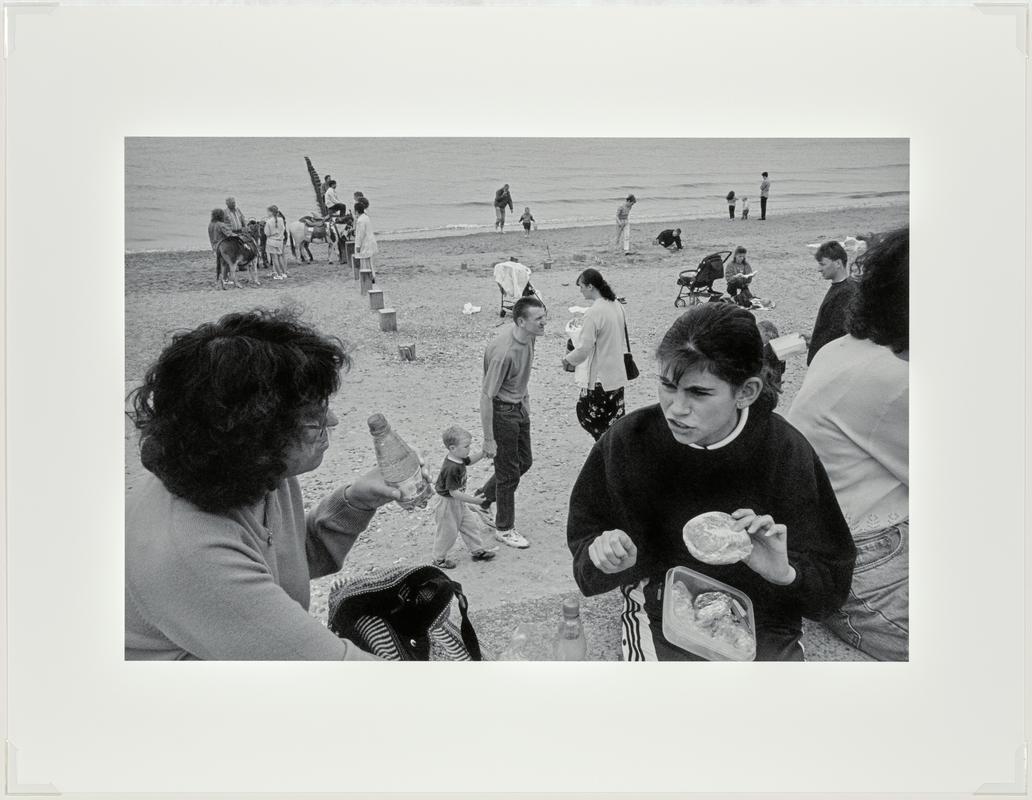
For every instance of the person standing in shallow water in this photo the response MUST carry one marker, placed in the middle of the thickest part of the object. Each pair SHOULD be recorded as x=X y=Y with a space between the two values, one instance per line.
x=623 y=224
x=501 y=200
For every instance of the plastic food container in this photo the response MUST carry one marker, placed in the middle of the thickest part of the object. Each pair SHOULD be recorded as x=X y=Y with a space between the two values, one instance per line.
x=695 y=638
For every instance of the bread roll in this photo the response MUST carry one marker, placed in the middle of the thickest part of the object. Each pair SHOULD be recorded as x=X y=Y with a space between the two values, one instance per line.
x=710 y=538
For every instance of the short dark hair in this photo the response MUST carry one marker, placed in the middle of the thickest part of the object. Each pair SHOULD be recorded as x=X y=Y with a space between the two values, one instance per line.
x=632 y=199
x=218 y=215
x=220 y=407
x=763 y=174
x=331 y=183
x=832 y=250
x=592 y=277
x=361 y=204
x=720 y=338
x=522 y=307
x=880 y=307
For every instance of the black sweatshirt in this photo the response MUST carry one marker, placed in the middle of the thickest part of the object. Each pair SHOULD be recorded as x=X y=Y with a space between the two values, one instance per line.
x=639 y=479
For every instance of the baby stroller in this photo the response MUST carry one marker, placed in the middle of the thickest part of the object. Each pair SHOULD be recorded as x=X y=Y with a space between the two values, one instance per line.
x=697 y=284
x=513 y=279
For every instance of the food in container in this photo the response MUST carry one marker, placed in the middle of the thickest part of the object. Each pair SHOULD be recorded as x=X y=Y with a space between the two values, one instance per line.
x=708 y=618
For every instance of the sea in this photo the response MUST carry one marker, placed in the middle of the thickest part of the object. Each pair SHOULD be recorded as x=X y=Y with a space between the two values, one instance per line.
x=429 y=187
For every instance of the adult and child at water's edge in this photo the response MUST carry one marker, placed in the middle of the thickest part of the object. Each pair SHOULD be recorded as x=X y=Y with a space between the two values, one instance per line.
x=220 y=551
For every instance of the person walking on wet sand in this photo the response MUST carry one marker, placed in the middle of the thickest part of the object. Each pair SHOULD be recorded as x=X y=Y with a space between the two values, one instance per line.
x=502 y=199
x=505 y=415
x=623 y=224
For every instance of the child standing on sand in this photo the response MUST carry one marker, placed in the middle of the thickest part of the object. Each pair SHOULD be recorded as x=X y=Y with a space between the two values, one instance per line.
x=745 y=208
x=731 y=203
x=452 y=509
x=275 y=229
x=527 y=219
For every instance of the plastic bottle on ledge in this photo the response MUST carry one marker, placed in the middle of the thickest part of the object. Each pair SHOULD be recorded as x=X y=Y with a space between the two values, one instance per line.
x=571 y=644
x=399 y=464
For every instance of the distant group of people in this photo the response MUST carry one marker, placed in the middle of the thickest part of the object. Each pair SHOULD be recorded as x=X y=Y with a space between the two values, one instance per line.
x=670 y=239
x=267 y=240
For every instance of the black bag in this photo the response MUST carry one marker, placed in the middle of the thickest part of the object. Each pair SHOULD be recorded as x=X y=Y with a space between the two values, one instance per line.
x=628 y=359
x=401 y=614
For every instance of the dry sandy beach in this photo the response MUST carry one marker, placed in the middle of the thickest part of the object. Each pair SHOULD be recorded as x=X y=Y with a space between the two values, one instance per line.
x=428 y=281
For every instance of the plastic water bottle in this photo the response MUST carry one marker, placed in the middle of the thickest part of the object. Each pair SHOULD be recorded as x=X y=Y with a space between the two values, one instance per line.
x=399 y=464
x=571 y=644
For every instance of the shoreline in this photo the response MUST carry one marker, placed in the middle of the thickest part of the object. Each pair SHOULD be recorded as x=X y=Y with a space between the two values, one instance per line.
x=408 y=237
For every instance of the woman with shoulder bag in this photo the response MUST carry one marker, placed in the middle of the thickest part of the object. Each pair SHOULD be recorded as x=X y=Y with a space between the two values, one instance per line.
x=600 y=356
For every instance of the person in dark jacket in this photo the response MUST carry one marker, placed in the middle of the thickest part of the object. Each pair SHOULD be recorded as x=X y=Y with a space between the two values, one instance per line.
x=670 y=238
x=501 y=200
x=831 y=316
x=712 y=443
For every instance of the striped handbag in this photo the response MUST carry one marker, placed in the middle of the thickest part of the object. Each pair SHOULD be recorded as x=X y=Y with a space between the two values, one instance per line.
x=402 y=614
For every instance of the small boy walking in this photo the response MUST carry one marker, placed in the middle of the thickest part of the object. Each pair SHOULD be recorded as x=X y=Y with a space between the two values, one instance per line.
x=745 y=208
x=527 y=219
x=452 y=510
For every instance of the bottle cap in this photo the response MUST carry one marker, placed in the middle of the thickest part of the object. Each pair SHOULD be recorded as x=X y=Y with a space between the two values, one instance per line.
x=378 y=424
x=571 y=608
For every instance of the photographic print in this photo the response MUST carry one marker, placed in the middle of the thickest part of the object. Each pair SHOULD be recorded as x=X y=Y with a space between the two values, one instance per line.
x=517 y=399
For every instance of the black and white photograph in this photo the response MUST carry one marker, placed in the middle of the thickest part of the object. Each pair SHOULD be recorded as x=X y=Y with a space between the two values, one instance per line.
x=408 y=366
x=520 y=399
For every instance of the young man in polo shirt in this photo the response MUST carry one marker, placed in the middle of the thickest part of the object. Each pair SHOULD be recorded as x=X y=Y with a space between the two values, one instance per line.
x=505 y=414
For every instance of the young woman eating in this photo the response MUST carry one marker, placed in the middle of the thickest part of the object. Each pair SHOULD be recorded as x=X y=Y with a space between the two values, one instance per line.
x=711 y=443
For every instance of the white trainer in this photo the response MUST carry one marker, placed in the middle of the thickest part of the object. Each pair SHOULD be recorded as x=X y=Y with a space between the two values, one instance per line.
x=512 y=539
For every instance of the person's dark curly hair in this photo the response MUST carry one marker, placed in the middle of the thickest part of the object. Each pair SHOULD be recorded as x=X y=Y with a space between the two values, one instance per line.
x=880 y=308
x=223 y=403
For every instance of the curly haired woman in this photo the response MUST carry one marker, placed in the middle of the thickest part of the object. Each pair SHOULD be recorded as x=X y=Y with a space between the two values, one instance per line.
x=219 y=550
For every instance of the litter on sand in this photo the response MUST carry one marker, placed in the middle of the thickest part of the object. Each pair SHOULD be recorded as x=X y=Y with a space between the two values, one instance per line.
x=469 y=308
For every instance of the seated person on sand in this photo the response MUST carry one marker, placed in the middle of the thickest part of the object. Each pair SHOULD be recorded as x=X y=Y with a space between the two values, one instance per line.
x=739 y=274
x=219 y=550
x=711 y=444
x=670 y=238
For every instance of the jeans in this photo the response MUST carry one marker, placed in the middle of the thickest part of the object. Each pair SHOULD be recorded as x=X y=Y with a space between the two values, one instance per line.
x=511 y=427
x=731 y=212
x=876 y=616
x=763 y=208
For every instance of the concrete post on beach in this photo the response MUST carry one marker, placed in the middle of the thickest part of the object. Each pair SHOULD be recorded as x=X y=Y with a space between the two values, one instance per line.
x=388 y=319
x=366 y=277
x=375 y=299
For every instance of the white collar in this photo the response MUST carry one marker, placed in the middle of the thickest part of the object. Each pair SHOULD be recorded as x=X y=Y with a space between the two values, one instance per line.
x=742 y=419
x=454 y=460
